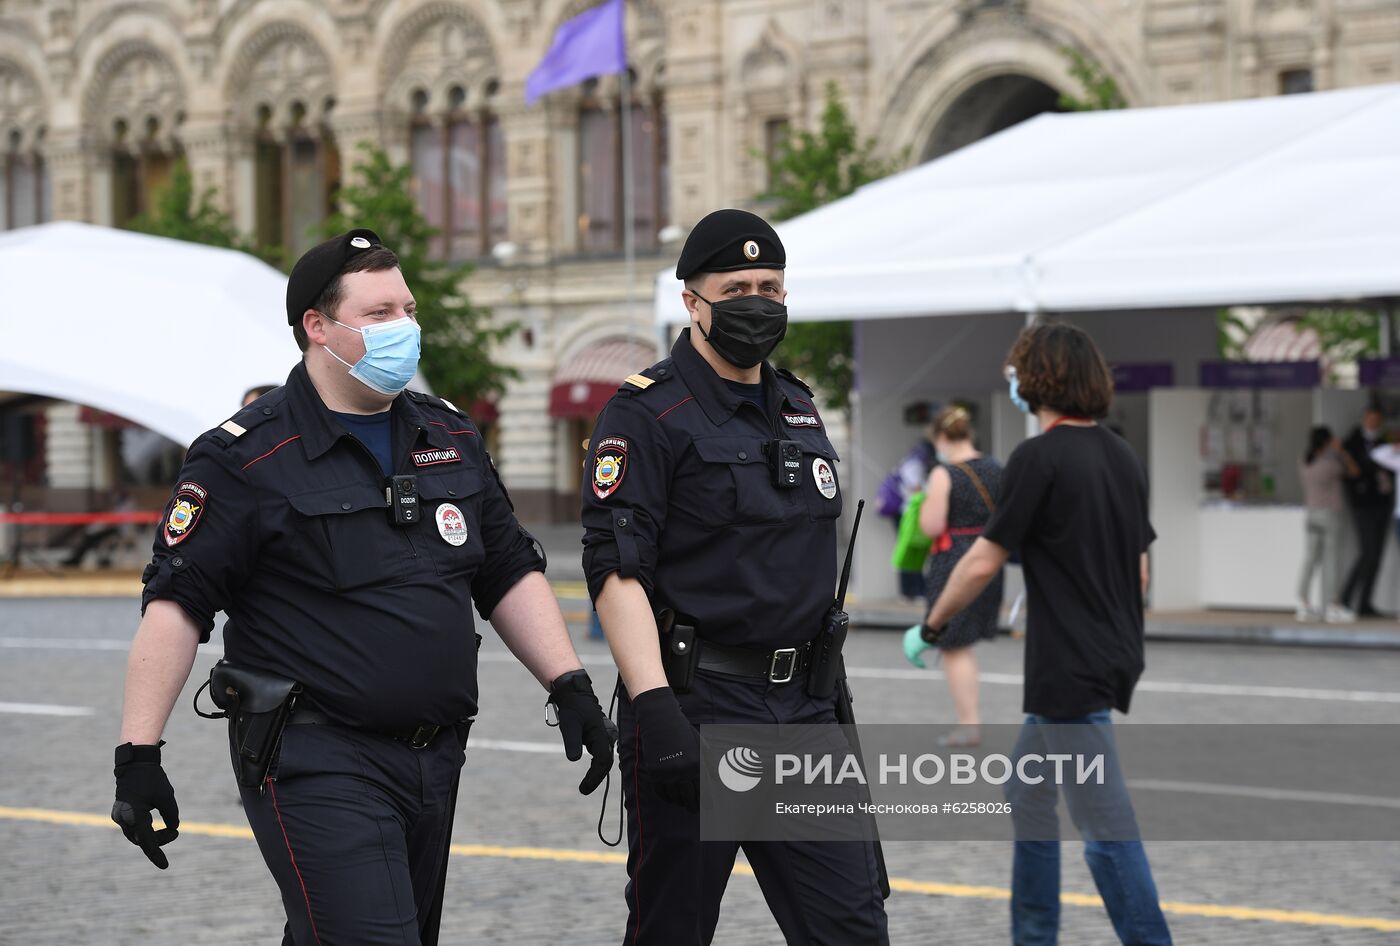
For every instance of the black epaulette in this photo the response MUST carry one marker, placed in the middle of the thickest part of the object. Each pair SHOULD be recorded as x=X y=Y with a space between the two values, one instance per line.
x=658 y=373
x=443 y=403
x=784 y=373
x=260 y=411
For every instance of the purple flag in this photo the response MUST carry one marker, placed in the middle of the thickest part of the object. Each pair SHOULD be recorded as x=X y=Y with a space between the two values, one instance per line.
x=591 y=44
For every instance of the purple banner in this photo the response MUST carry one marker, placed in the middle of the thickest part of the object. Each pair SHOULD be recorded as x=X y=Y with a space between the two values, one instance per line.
x=1261 y=374
x=1379 y=372
x=1142 y=376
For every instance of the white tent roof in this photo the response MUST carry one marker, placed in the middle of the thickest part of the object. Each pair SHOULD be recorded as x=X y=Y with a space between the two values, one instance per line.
x=164 y=333
x=1284 y=199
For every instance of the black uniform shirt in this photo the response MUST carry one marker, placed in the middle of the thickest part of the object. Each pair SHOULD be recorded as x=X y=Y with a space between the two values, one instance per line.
x=677 y=494
x=286 y=528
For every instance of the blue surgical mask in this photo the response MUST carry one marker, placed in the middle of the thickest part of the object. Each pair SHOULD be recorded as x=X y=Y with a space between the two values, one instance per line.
x=1014 y=389
x=391 y=355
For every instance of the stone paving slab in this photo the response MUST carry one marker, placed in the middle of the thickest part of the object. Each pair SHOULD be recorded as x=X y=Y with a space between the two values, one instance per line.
x=72 y=884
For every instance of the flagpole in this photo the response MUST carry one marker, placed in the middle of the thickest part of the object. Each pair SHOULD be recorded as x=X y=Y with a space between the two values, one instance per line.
x=629 y=239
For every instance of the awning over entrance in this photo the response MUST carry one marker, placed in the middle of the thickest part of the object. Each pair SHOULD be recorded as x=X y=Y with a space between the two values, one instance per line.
x=583 y=383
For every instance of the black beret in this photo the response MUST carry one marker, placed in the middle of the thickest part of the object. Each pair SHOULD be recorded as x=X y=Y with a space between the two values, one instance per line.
x=727 y=240
x=321 y=264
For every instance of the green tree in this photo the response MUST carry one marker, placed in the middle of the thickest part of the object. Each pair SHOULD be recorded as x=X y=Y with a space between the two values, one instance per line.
x=1101 y=92
x=1345 y=334
x=458 y=336
x=181 y=214
x=807 y=170
x=1231 y=332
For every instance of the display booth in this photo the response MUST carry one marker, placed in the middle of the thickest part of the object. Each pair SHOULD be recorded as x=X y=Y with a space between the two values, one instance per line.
x=1139 y=225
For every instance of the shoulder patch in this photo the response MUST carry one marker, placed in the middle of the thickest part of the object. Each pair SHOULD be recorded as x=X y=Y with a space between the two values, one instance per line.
x=186 y=510
x=784 y=373
x=609 y=463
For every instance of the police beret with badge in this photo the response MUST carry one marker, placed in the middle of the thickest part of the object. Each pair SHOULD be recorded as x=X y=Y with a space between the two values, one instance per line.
x=321 y=264
x=729 y=240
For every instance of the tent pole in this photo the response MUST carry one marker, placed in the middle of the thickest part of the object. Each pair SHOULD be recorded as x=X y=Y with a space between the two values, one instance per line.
x=1032 y=422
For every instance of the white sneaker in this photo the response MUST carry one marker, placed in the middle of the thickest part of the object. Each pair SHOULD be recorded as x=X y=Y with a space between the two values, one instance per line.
x=1336 y=614
x=1304 y=612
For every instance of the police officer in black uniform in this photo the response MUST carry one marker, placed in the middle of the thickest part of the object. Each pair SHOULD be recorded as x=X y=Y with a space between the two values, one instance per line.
x=284 y=518
x=687 y=514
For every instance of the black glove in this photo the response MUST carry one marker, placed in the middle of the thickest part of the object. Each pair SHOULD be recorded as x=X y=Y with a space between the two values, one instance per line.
x=669 y=748
x=583 y=723
x=141 y=786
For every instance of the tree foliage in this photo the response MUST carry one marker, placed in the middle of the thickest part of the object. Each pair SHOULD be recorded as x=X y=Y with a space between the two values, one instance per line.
x=1345 y=334
x=181 y=214
x=458 y=336
x=1100 y=91
x=807 y=170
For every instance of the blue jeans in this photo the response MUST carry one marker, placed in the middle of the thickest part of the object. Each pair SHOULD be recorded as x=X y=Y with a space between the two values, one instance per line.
x=1103 y=814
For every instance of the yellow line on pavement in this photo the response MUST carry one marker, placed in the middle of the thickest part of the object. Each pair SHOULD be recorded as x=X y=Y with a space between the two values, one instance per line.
x=900 y=884
x=539 y=854
x=71 y=586
x=570 y=589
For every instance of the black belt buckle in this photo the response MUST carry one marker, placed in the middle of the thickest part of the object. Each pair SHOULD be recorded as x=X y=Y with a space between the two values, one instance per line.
x=421 y=736
x=783 y=665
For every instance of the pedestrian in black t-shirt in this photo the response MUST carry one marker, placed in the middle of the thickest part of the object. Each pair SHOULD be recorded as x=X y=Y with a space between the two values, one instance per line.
x=1074 y=503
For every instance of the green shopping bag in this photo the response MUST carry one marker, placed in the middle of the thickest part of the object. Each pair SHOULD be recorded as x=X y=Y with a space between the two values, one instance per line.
x=912 y=547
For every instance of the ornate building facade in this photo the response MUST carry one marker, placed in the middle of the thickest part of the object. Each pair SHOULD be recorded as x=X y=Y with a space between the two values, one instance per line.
x=268 y=100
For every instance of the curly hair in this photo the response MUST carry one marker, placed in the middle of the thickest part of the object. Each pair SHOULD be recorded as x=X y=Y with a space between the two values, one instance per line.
x=1059 y=368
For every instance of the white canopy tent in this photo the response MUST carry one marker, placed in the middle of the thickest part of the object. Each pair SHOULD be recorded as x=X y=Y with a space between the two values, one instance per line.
x=1138 y=224
x=165 y=333
x=1287 y=199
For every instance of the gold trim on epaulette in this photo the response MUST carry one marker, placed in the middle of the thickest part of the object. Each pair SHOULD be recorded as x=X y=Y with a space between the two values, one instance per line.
x=639 y=381
x=450 y=406
x=236 y=429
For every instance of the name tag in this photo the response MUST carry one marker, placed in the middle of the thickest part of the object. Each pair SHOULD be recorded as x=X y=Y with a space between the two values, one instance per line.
x=434 y=457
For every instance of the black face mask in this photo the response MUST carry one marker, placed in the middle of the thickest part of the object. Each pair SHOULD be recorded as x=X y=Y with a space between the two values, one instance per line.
x=744 y=331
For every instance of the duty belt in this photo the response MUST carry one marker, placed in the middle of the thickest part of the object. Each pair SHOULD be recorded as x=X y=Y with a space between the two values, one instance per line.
x=419 y=737
x=776 y=666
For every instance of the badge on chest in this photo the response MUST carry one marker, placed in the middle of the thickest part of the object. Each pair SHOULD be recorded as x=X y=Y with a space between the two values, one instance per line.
x=452 y=525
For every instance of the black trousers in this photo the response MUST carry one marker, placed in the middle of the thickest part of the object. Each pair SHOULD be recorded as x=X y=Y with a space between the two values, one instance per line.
x=1372 y=528
x=819 y=892
x=355 y=829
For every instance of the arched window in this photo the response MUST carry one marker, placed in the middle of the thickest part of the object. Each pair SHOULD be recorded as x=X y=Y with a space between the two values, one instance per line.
x=296 y=177
x=458 y=154
x=24 y=196
x=142 y=159
x=601 y=174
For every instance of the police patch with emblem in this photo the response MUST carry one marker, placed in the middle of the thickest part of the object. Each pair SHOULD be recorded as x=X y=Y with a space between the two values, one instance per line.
x=452 y=525
x=186 y=509
x=609 y=463
x=824 y=477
